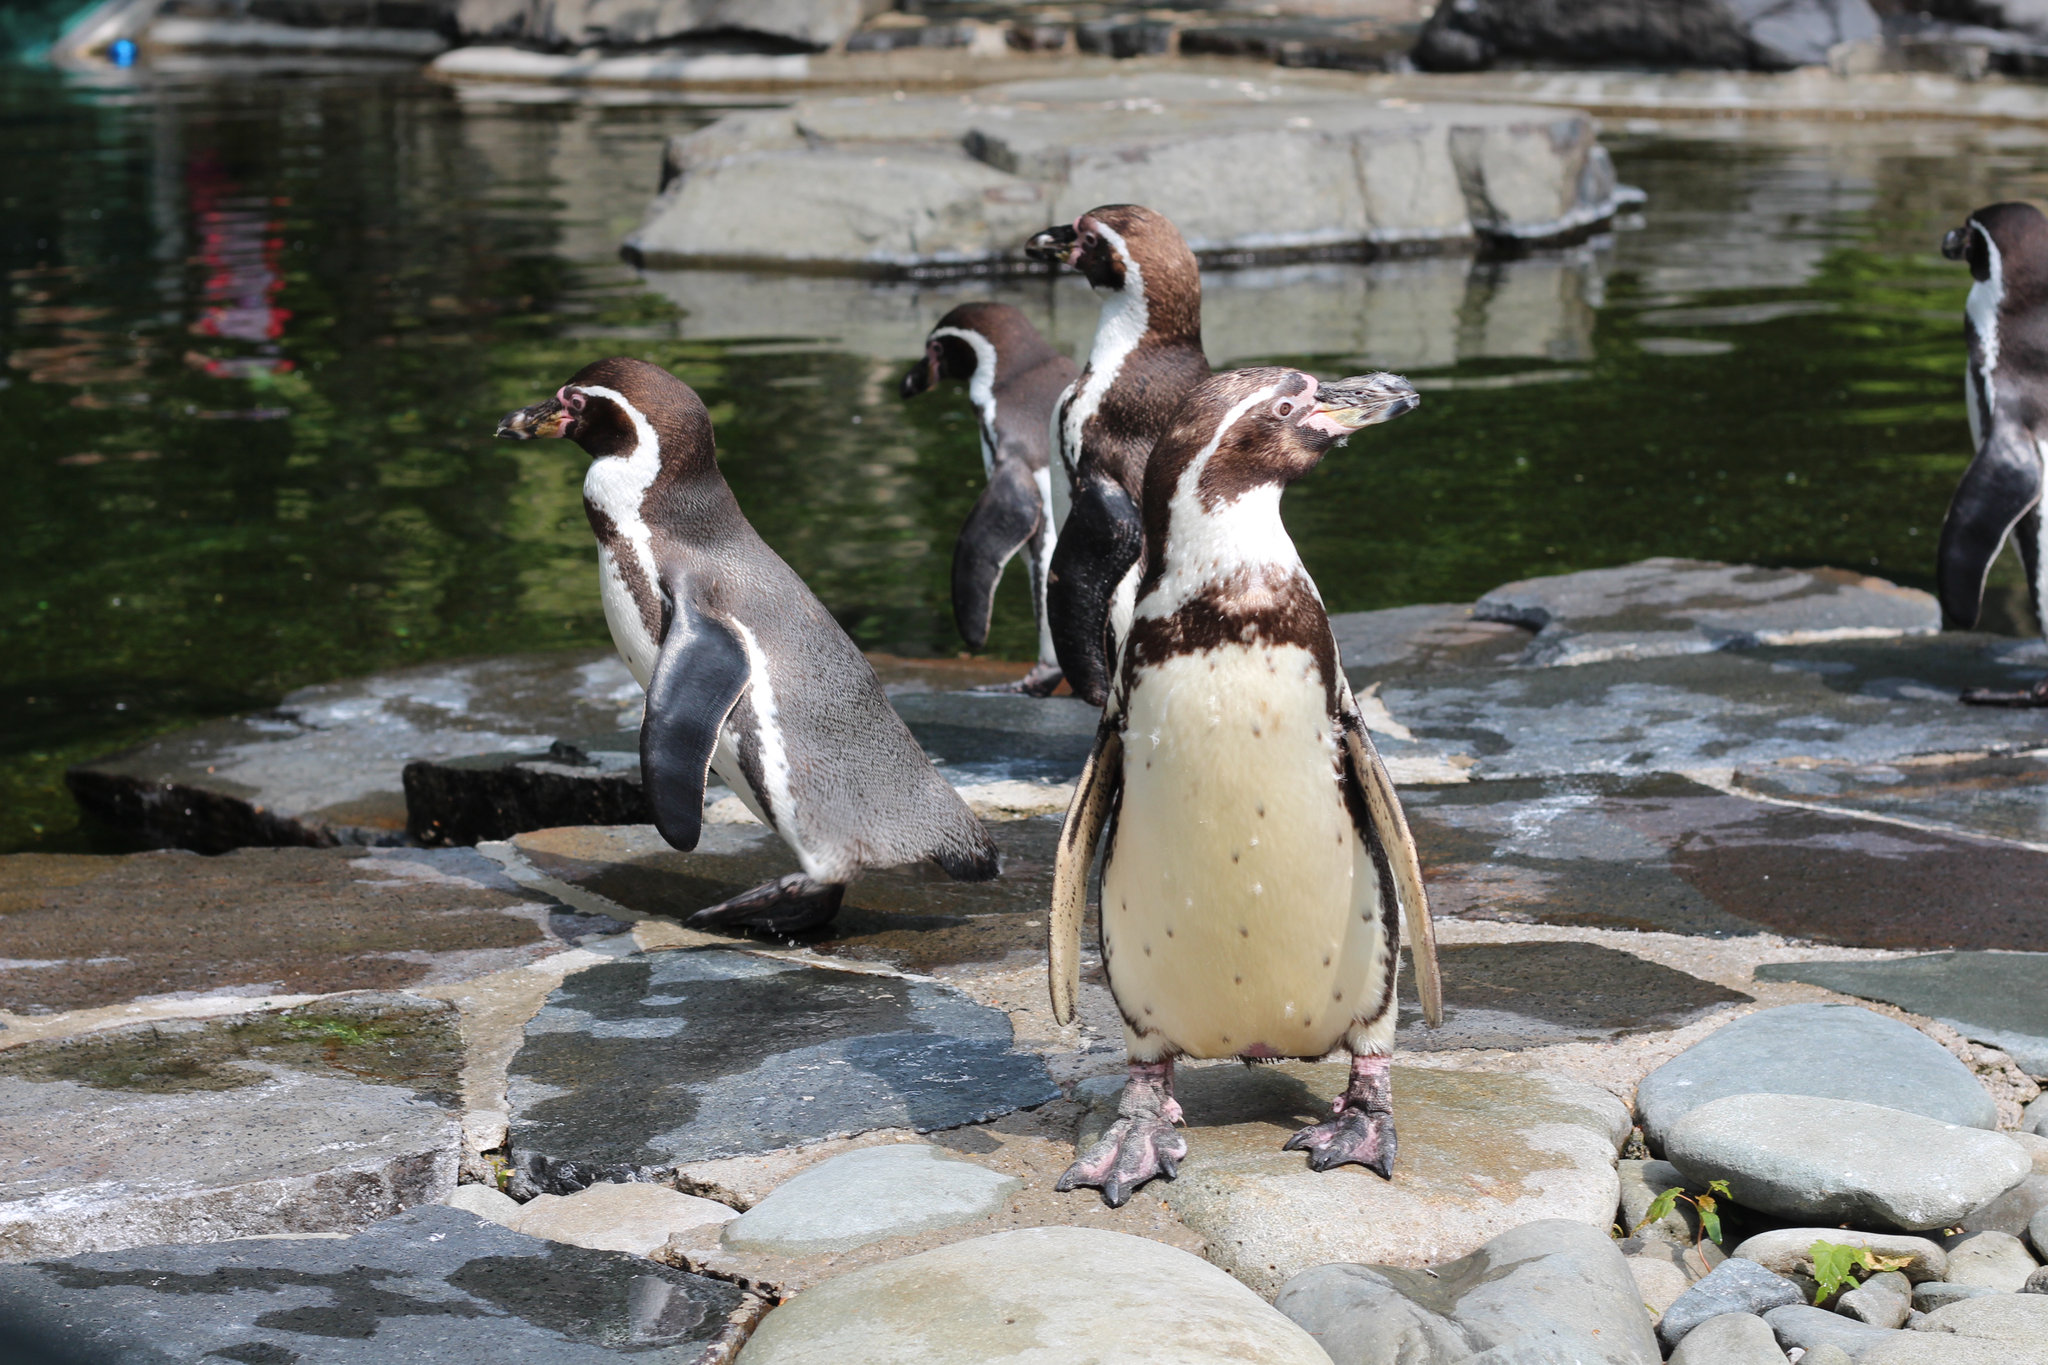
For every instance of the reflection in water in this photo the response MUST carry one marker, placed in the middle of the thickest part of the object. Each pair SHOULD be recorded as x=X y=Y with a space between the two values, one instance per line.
x=1764 y=367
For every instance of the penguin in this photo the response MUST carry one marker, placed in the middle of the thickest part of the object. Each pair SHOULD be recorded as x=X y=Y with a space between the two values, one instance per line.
x=1146 y=356
x=1013 y=377
x=2005 y=387
x=747 y=674
x=1256 y=855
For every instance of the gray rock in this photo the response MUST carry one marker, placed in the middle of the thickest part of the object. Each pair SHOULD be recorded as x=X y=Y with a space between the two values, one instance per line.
x=2034 y=1118
x=2037 y=1282
x=1827 y=1353
x=1998 y=998
x=1819 y=1050
x=1991 y=794
x=1939 y=1294
x=1730 y=1339
x=246 y=1125
x=637 y=1065
x=1788 y=1251
x=585 y=23
x=630 y=1216
x=1805 y=1326
x=1118 y=1298
x=1543 y=1291
x=1883 y=1300
x=1660 y=1272
x=868 y=1195
x=1839 y=1160
x=1734 y=1286
x=2020 y=1319
x=1684 y=606
x=434 y=1284
x=485 y=1201
x=1641 y=1183
x=1712 y=33
x=1995 y=1260
x=2037 y=1233
x=2012 y=1211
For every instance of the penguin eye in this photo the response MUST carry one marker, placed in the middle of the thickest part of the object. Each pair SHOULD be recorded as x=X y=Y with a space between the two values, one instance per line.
x=1089 y=239
x=1284 y=408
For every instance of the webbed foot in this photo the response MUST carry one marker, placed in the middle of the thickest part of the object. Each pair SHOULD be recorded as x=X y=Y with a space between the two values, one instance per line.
x=2037 y=695
x=1362 y=1128
x=787 y=905
x=1041 y=681
x=1141 y=1143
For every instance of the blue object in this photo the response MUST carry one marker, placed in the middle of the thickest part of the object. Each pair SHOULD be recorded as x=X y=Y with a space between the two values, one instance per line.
x=122 y=52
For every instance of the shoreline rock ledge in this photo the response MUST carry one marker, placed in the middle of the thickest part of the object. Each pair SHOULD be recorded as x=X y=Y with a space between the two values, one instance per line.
x=1251 y=171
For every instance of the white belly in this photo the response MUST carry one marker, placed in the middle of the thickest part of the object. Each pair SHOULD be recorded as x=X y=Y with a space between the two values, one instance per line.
x=622 y=617
x=1240 y=909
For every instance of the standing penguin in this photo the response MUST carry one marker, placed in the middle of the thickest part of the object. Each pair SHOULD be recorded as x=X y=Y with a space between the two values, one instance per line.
x=746 y=673
x=1147 y=355
x=2005 y=325
x=1014 y=377
x=1257 y=855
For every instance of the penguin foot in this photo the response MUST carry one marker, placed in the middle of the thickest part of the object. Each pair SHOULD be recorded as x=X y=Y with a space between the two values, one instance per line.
x=787 y=905
x=1041 y=681
x=2037 y=695
x=1142 y=1142
x=1362 y=1129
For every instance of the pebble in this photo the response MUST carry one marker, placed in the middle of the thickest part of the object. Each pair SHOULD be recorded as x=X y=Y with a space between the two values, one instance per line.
x=1821 y=1050
x=1659 y=1279
x=1884 y=1300
x=1734 y=1286
x=1034 y=1294
x=1641 y=1183
x=2036 y=1147
x=1826 y=1355
x=1789 y=1251
x=1838 y=1160
x=2037 y=1233
x=1801 y=1324
x=1994 y=1260
x=629 y=1216
x=1730 y=1339
x=2012 y=1210
x=866 y=1195
x=1932 y=1295
x=2034 y=1118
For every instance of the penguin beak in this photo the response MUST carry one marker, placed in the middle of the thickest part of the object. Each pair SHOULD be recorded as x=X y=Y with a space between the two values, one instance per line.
x=1345 y=405
x=922 y=376
x=545 y=418
x=1055 y=244
x=1955 y=243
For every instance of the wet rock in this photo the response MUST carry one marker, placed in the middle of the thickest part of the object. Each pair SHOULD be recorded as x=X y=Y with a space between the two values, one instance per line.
x=1685 y=606
x=1838 y=1160
x=637 y=1065
x=1997 y=794
x=1994 y=1260
x=1730 y=1339
x=326 y=766
x=1999 y=998
x=2018 y=1319
x=570 y=24
x=318 y=1119
x=2013 y=1210
x=1710 y=33
x=1734 y=1286
x=631 y=1217
x=985 y=1300
x=1820 y=1050
x=81 y=932
x=1802 y=1325
x=485 y=1201
x=887 y=184
x=1641 y=1183
x=1936 y=1294
x=867 y=1195
x=1547 y=1288
x=1788 y=1251
x=432 y=1284
x=1881 y=1301
x=1481 y=1152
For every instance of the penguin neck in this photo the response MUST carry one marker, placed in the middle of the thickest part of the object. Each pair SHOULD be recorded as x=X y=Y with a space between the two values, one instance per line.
x=1236 y=545
x=981 y=385
x=1987 y=297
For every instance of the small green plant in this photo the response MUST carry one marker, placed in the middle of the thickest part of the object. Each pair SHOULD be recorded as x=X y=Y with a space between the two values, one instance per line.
x=1707 y=1206
x=1835 y=1266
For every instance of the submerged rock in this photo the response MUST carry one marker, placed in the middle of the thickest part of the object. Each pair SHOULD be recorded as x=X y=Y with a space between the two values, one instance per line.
x=866 y=1195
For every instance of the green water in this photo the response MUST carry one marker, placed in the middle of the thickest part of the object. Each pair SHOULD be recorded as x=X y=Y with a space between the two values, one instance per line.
x=258 y=332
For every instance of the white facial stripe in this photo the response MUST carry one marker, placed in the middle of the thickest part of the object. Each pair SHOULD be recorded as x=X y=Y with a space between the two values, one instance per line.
x=981 y=385
x=617 y=485
x=1125 y=318
x=1982 y=310
x=1204 y=545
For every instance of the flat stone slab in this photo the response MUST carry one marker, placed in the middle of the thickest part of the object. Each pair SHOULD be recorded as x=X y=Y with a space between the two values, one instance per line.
x=1995 y=998
x=1998 y=794
x=80 y=932
x=1481 y=1152
x=868 y=1195
x=432 y=1284
x=1689 y=606
x=1246 y=169
x=635 y=1066
x=633 y=1216
x=1818 y=1050
x=1035 y=1294
x=1664 y=852
x=319 y=1119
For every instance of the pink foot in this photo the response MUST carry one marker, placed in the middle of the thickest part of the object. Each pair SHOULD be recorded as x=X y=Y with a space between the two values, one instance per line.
x=1039 y=682
x=1140 y=1144
x=1363 y=1130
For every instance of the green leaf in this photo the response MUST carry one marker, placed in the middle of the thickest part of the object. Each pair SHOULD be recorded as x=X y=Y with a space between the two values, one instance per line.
x=1710 y=1220
x=1832 y=1267
x=1719 y=1187
x=1660 y=1206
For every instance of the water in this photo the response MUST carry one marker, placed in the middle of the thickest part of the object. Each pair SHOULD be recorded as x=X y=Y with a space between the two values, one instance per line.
x=258 y=331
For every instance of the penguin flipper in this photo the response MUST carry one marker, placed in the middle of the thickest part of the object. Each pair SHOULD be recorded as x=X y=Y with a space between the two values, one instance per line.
x=1390 y=828
x=1095 y=796
x=2002 y=485
x=1003 y=519
x=698 y=678
x=1103 y=537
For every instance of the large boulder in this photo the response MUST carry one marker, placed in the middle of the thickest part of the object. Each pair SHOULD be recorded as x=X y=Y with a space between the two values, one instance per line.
x=811 y=24
x=1770 y=35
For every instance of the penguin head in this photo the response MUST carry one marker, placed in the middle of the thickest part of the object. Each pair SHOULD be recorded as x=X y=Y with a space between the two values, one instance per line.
x=2009 y=241
x=621 y=408
x=1121 y=246
x=1268 y=426
x=970 y=336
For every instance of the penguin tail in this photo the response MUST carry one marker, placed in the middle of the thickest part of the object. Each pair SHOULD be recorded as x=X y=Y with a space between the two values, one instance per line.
x=970 y=859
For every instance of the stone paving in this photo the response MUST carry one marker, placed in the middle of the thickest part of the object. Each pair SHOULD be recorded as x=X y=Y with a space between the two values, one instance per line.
x=1625 y=854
